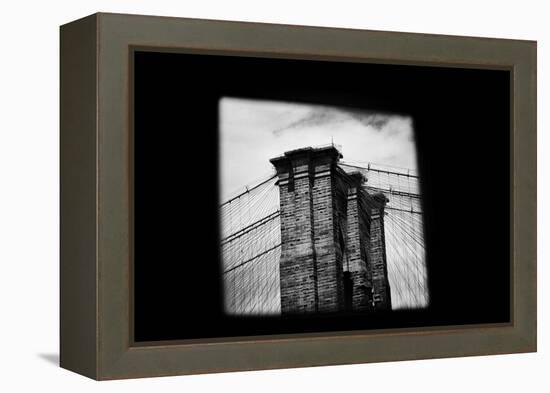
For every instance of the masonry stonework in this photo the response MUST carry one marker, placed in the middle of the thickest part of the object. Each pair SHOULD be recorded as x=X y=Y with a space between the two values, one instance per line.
x=358 y=228
x=377 y=254
x=330 y=226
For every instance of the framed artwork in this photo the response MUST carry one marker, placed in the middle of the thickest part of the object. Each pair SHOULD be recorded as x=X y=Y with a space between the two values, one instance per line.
x=241 y=196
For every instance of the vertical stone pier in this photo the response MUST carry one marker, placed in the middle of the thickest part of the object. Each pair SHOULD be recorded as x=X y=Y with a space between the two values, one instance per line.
x=333 y=255
x=311 y=259
x=357 y=245
x=377 y=254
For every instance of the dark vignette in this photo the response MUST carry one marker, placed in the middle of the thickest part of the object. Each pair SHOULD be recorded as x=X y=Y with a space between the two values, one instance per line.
x=461 y=120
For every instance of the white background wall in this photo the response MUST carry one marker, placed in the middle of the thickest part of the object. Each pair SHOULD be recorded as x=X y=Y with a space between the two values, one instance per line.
x=29 y=230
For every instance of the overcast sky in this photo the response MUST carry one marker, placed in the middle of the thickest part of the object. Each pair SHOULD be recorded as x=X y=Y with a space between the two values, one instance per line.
x=253 y=131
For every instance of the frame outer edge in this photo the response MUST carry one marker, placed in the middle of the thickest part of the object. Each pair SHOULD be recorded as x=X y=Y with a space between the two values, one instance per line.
x=118 y=358
x=78 y=197
x=525 y=206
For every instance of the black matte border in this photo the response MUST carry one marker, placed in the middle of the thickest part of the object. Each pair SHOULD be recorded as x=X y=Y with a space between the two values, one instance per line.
x=461 y=119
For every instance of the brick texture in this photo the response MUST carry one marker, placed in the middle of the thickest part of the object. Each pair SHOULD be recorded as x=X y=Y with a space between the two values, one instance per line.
x=357 y=246
x=377 y=255
x=333 y=254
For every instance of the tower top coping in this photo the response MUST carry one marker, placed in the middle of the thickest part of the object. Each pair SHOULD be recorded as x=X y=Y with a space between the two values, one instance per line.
x=312 y=152
x=357 y=177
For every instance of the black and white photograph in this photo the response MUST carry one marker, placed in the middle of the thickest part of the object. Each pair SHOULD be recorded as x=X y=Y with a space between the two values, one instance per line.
x=333 y=220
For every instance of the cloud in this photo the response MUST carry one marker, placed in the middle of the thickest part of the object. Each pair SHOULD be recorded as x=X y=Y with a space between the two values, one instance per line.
x=314 y=117
x=327 y=116
x=253 y=131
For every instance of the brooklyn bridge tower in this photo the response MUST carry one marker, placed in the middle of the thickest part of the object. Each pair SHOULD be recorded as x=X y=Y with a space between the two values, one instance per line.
x=333 y=253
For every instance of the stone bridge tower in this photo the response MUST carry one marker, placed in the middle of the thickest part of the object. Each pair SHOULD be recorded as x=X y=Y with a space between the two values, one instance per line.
x=332 y=232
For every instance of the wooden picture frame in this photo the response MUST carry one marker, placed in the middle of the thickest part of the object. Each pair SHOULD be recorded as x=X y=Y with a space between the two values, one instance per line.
x=96 y=202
